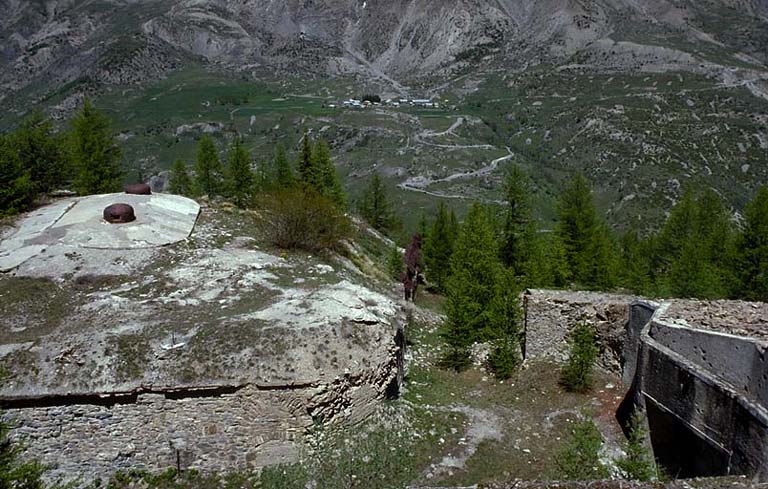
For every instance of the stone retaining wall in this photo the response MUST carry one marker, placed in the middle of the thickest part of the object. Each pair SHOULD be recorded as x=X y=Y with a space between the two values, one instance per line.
x=243 y=428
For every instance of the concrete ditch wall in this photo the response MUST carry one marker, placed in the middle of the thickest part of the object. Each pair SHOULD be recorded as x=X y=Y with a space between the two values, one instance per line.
x=697 y=370
x=703 y=404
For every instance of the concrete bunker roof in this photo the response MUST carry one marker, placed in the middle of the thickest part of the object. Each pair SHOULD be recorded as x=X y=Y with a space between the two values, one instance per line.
x=161 y=219
x=217 y=308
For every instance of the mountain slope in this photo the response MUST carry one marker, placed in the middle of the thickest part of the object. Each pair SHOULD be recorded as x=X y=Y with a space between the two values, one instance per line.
x=58 y=41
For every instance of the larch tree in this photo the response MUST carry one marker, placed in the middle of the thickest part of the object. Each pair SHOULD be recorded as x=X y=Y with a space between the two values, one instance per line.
x=471 y=287
x=16 y=187
x=180 y=183
x=208 y=171
x=41 y=152
x=752 y=252
x=284 y=177
x=439 y=248
x=327 y=181
x=239 y=174
x=375 y=207
x=95 y=153
x=518 y=225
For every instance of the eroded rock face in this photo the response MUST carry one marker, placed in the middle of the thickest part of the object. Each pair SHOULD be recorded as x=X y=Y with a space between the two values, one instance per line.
x=119 y=214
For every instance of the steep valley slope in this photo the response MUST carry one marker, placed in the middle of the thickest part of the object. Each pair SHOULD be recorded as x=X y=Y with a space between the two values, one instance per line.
x=644 y=97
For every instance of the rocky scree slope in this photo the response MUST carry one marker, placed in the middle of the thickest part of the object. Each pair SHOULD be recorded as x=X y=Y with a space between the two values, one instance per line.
x=55 y=42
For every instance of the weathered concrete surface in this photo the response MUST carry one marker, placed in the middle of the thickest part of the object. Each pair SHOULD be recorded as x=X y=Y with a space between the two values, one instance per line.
x=703 y=389
x=213 y=352
x=161 y=219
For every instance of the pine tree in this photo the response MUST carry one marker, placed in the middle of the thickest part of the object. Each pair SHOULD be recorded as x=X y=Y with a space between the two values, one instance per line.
x=471 y=287
x=283 y=173
x=95 y=154
x=375 y=206
x=753 y=249
x=518 y=226
x=438 y=249
x=208 y=171
x=239 y=174
x=180 y=183
x=16 y=187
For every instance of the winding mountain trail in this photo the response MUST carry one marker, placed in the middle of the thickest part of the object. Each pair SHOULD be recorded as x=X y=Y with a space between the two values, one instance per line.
x=421 y=183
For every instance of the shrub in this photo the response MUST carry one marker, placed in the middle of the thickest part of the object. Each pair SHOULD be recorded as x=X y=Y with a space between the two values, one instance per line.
x=577 y=373
x=302 y=219
x=579 y=457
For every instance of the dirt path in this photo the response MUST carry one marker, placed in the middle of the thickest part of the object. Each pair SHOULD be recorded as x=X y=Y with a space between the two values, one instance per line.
x=482 y=425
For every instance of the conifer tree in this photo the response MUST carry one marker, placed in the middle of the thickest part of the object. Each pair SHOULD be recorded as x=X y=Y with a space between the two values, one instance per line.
x=504 y=318
x=41 y=152
x=636 y=264
x=438 y=249
x=95 y=153
x=375 y=206
x=283 y=173
x=239 y=174
x=753 y=249
x=637 y=464
x=579 y=458
x=180 y=183
x=208 y=171
x=395 y=264
x=453 y=225
x=471 y=287
x=576 y=375
x=327 y=183
x=576 y=226
x=263 y=177
x=558 y=270
x=423 y=226
x=697 y=249
x=518 y=226
x=309 y=174
x=16 y=187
